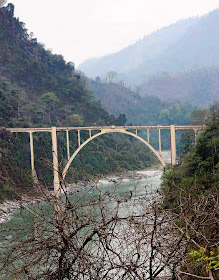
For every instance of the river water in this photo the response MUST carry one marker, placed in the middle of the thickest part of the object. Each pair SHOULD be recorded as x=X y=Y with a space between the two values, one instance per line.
x=145 y=182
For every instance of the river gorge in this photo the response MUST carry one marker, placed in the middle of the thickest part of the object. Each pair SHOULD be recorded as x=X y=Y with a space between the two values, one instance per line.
x=149 y=178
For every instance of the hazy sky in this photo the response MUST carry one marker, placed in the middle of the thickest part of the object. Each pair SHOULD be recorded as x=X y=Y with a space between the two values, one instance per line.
x=80 y=29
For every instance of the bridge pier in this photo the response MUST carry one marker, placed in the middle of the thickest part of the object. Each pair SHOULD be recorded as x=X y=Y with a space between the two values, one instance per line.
x=79 y=138
x=148 y=136
x=196 y=135
x=34 y=175
x=68 y=149
x=173 y=144
x=31 y=151
x=159 y=136
x=56 y=181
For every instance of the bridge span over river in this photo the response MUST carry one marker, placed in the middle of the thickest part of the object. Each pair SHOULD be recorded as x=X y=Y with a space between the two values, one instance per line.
x=95 y=131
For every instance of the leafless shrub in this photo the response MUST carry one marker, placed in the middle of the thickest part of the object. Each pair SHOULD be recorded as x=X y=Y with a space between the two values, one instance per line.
x=103 y=236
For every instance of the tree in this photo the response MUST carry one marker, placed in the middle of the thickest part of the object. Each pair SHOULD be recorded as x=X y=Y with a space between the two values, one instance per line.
x=49 y=100
x=98 y=79
x=10 y=9
x=74 y=120
x=165 y=117
x=121 y=120
x=200 y=116
x=110 y=76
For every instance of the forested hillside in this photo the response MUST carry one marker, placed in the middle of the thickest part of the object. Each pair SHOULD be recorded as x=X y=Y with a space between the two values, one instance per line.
x=38 y=88
x=199 y=86
x=134 y=109
x=191 y=193
x=140 y=110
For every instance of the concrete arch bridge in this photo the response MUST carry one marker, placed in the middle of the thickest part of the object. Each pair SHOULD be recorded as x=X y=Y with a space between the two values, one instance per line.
x=102 y=130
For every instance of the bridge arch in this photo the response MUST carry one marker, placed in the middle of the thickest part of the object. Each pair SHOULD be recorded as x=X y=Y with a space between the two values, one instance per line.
x=102 y=133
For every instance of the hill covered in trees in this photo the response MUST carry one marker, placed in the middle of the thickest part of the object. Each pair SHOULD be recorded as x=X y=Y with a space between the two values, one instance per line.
x=199 y=86
x=132 y=108
x=191 y=193
x=139 y=109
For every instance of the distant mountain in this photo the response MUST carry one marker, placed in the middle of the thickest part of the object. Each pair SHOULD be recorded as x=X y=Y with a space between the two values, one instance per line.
x=199 y=86
x=178 y=47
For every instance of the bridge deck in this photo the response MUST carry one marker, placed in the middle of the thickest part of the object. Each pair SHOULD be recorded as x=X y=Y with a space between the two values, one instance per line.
x=49 y=129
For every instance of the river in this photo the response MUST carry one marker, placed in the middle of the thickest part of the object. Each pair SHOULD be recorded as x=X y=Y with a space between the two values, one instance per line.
x=150 y=177
x=141 y=183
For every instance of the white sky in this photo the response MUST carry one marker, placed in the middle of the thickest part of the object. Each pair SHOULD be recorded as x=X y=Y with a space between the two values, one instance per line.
x=80 y=29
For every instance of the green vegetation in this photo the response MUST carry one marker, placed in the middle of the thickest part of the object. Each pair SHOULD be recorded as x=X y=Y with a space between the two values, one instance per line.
x=116 y=99
x=191 y=192
x=14 y=180
x=210 y=261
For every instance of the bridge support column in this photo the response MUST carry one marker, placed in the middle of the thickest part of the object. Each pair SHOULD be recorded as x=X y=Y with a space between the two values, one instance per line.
x=68 y=150
x=56 y=181
x=79 y=139
x=196 y=134
x=34 y=175
x=159 y=142
x=148 y=136
x=173 y=144
x=31 y=151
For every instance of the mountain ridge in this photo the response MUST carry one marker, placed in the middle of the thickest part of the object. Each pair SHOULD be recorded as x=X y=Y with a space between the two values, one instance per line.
x=140 y=44
x=175 y=51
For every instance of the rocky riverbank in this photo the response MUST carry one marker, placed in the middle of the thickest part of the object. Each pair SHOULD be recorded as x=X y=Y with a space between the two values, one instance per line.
x=8 y=207
x=117 y=178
